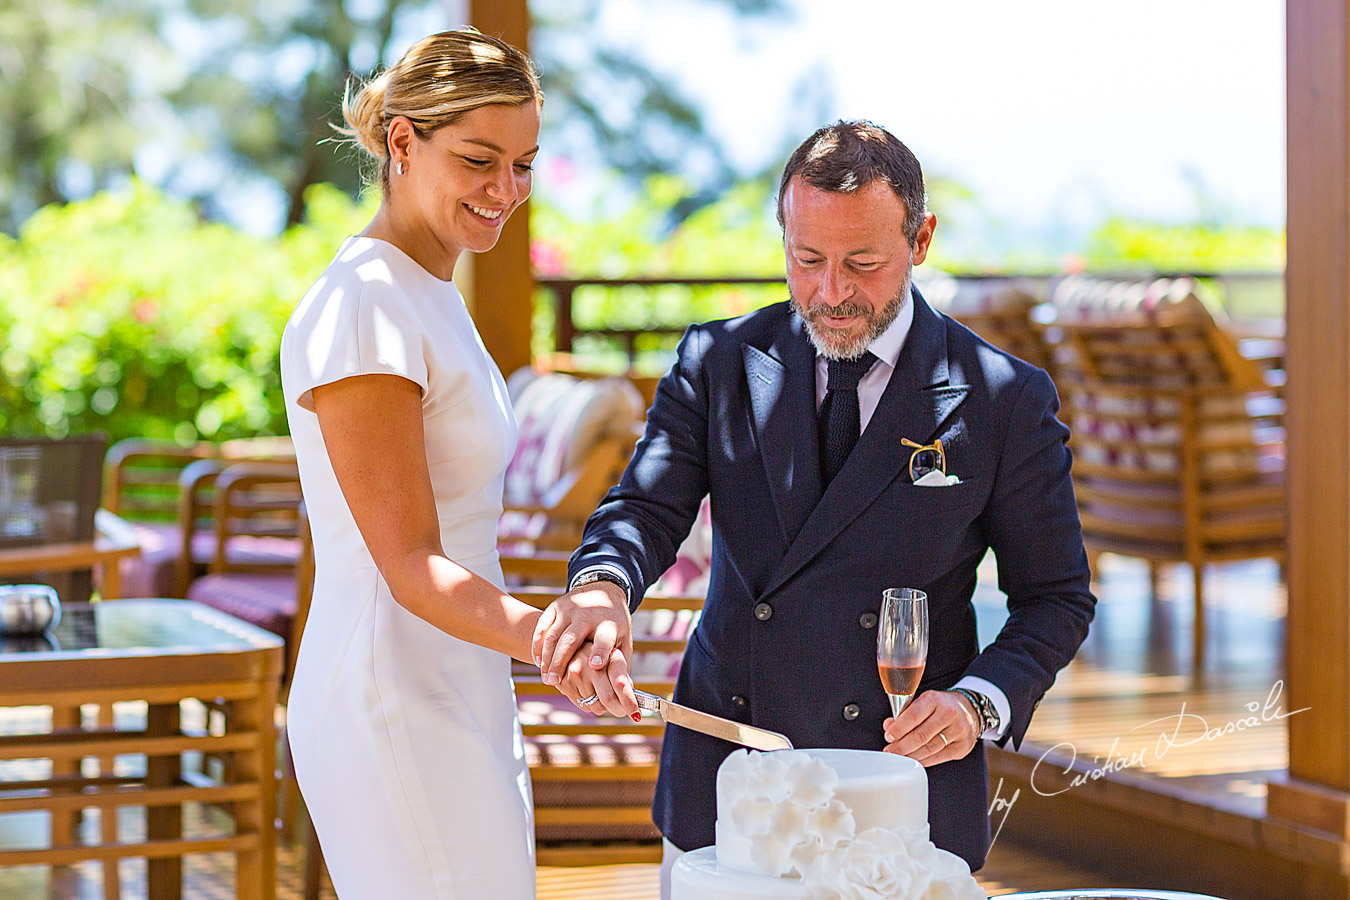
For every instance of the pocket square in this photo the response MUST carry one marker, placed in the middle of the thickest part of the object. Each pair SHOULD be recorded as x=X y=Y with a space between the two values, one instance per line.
x=937 y=479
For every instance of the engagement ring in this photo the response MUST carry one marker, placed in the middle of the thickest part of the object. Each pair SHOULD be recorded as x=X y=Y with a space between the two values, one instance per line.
x=589 y=700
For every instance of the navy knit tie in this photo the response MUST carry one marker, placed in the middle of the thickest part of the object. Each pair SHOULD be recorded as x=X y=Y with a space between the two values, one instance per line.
x=840 y=417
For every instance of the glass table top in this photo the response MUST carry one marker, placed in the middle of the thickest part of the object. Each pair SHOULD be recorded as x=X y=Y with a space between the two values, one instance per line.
x=137 y=627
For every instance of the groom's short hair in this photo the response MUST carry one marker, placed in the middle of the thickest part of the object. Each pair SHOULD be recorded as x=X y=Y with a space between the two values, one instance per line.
x=848 y=155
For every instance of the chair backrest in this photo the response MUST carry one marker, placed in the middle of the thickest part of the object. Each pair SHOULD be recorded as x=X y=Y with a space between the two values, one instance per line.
x=576 y=434
x=255 y=503
x=142 y=480
x=1003 y=317
x=1177 y=437
x=49 y=488
x=49 y=493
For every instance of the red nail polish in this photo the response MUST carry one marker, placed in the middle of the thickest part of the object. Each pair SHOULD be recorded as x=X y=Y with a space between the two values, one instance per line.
x=637 y=717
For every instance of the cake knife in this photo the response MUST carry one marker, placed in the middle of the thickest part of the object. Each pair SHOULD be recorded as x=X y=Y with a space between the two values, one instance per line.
x=707 y=723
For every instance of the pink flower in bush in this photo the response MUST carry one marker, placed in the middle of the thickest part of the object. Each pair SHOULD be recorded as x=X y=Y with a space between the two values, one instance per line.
x=546 y=257
x=145 y=310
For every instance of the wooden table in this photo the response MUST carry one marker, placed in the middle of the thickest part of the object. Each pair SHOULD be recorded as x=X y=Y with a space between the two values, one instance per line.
x=160 y=652
x=114 y=540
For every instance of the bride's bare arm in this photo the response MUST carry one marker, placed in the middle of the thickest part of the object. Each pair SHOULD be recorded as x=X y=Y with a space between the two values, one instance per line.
x=372 y=428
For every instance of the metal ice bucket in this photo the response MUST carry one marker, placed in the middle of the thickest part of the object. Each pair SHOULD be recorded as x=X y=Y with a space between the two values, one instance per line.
x=28 y=609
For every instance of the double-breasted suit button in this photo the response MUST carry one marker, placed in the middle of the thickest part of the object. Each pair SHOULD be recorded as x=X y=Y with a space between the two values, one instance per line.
x=739 y=702
x=851 y=712
x=868 y=620
x=763 y=612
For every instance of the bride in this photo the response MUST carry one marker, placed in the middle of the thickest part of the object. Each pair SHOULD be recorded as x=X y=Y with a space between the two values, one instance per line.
x=402 y=718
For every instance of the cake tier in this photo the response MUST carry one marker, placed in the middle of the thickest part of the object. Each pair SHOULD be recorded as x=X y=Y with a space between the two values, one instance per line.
x=881 y=790
x=698 y=876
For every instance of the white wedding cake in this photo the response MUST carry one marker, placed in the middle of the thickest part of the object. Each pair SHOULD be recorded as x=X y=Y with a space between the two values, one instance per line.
x=822 y=825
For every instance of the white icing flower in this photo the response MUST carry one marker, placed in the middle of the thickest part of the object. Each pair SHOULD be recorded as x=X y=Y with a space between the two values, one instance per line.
x=875 y=865
x=827 y=827
x=754 y=775
x=810 y=781
x=753 y=815
x=735 y=769
x=832 y=823
x=771 y=857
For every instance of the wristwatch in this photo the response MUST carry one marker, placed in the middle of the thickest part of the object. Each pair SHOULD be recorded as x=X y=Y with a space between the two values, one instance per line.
x=593 y=575
x=984 y=708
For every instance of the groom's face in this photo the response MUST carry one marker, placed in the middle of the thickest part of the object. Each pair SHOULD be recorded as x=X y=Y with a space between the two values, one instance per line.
x=848 y=262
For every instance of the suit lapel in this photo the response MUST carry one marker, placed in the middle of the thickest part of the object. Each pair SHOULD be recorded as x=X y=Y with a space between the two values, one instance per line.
x=782 y=398
x=916 y=402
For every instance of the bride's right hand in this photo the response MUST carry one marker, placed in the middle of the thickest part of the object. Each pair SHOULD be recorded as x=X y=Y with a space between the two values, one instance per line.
x=612 y=685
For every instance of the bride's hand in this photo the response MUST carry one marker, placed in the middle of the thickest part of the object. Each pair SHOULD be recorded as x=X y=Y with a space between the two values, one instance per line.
x=612 y=687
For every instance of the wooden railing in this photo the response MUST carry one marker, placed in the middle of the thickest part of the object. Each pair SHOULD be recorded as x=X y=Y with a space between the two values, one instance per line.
x=1236 y=287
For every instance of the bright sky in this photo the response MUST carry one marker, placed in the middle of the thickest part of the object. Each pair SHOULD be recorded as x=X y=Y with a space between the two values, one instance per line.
x=1052 y=110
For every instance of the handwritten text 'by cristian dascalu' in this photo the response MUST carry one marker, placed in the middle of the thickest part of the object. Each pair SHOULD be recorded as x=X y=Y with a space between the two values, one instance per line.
x=1184 y=729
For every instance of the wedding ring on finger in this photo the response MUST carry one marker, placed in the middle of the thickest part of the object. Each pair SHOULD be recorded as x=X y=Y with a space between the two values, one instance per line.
x=945 y=742
x=587 y=701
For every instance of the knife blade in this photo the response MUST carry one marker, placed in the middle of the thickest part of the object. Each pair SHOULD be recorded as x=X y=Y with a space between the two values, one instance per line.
x=716 y=726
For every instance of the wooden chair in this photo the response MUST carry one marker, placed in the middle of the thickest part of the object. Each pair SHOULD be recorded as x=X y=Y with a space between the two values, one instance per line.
x=1003 y=317
x=576 y=436
x=1177 y=436
x=567 y=364
x=594 y=778
x=255 y=546
x=144 y=484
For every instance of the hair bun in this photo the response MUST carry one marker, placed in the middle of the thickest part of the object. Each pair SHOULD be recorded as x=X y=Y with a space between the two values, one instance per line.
x=364 y=115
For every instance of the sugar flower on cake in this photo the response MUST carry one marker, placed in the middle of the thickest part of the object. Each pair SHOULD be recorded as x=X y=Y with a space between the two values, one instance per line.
x=875 y=865
x=886 y=864
x=758 y=775
x=784 y=803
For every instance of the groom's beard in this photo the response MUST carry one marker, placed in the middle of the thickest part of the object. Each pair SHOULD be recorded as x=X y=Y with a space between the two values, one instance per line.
x=830 y=344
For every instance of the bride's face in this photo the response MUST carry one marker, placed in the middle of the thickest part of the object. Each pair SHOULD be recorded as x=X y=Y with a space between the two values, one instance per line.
x=463 y=182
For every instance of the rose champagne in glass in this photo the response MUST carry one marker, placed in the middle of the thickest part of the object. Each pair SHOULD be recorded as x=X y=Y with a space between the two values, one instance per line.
x=902 y=643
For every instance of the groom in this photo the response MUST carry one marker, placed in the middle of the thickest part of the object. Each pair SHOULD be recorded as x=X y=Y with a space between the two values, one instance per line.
x=851 y=439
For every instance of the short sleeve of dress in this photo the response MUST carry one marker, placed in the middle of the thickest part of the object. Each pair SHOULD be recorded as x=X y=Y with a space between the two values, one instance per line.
x=358 y=328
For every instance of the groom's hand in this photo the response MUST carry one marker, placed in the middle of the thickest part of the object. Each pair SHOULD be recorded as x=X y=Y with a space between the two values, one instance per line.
x=597 y=612
x=936 y=727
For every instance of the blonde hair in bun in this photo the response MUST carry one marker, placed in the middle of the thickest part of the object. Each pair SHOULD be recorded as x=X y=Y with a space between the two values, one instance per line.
x=437 y=81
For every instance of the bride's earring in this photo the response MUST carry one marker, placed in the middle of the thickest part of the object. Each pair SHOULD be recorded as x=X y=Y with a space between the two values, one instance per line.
x=398 y=168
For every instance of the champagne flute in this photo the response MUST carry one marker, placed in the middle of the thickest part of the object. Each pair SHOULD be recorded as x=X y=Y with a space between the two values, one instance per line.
x=902 y=643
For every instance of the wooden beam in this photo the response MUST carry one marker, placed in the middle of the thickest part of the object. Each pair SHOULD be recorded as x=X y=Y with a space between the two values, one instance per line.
x=1318 y=420
x=499 y=286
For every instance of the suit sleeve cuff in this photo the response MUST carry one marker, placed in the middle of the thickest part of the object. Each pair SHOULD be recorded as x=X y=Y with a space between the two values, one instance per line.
x=997 y=697
x=611 y=570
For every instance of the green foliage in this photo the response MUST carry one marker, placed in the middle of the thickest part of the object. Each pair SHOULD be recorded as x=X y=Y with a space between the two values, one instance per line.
x=125 y=313
x=1121 y=243
x=736 y=235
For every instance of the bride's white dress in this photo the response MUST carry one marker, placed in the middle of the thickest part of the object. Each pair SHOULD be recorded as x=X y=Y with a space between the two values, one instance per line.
x=406 y=742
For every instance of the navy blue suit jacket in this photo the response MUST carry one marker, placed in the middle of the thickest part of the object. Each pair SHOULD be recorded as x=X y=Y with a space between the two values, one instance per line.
x=735 y=418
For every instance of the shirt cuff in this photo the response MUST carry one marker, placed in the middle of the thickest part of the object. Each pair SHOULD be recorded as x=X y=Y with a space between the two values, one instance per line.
x=612 y=570
x=999 y=699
